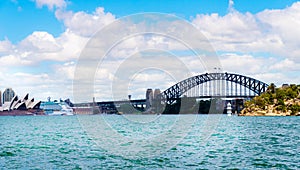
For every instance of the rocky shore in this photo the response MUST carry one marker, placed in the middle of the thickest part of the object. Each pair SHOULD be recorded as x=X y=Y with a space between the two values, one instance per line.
x=271 y=110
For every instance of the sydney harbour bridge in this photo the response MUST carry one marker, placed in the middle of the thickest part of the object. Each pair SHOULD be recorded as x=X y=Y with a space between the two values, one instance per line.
x=212 y=85
x=224 y=86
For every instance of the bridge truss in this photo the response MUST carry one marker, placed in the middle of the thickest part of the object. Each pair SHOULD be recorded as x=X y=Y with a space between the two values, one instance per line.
x=211 y=85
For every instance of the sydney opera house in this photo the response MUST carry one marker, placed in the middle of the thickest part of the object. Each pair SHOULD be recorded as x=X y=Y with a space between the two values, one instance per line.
x=20 y=106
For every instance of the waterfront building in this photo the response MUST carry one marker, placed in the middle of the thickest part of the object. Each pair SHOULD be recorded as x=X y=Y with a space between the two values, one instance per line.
x=0 y=99
x=8 y=95
x=21 y=104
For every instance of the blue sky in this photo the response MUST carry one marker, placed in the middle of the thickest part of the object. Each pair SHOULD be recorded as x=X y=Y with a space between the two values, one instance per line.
x=41 y=40
x=21 y=18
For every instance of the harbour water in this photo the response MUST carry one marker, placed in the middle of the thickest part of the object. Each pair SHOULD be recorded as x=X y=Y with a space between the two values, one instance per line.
x=208 y=142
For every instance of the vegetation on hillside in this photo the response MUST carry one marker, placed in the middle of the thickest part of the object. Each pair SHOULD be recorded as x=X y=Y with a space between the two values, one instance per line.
x=284 y=99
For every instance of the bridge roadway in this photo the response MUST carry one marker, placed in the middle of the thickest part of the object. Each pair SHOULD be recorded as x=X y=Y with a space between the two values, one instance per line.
x=118 y=102
x=143 y=101
x=111 y=106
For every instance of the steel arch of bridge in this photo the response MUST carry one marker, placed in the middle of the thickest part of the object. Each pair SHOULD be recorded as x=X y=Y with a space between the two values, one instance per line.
x=177 y=90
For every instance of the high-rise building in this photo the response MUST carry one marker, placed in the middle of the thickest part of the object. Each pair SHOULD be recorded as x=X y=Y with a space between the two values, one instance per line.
x=0 y=98
x=8 y=95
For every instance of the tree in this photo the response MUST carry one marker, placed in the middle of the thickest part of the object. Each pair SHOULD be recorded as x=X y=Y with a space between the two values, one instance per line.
x=294 y=87
x=291 y=94
x=295 y=109
x=271 y=88
x=280 y=94
x=280 y=102
x=298 y=91
x=260 y=102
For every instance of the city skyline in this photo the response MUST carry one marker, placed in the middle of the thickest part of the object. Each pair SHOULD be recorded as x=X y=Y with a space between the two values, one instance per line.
x=40 y=42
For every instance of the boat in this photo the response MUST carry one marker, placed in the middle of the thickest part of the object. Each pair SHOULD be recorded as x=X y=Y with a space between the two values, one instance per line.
x=55 y=108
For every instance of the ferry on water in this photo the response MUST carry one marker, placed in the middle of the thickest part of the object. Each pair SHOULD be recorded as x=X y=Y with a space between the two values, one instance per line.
x=56 y=108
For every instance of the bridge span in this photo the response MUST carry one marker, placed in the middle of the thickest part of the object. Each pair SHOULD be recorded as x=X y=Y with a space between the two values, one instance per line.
x=215 y=85
x=225 y=86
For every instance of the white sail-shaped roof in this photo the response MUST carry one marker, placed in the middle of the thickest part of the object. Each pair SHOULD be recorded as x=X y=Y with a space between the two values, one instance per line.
x=13 y=103
x=25 y=97
x=29 y=102
x=34 y=105
x=21 y=104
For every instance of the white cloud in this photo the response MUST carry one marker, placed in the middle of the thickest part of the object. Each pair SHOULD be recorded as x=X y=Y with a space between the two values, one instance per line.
x=245 y=64
x=152 y=78
x=72 y=45
x=285 y=65
x=23 y=83
x=51 y=3
x=56 y=84
x=65 y=70
x=85 y=24
x=239 y=38
x=266 y=69
x=40 y=42
x=278 y=78
x=285 y=24
x=12 y=60
x=230 y=5
x=263 y=45
x=41 y=46
x=5 y=47
x=272 y=31
x=233 y=28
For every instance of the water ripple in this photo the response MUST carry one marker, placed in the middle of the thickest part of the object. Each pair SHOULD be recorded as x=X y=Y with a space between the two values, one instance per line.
x=42 y=142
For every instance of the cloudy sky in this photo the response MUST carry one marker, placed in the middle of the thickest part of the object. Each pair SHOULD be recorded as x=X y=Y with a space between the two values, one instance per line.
x=42 y=40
